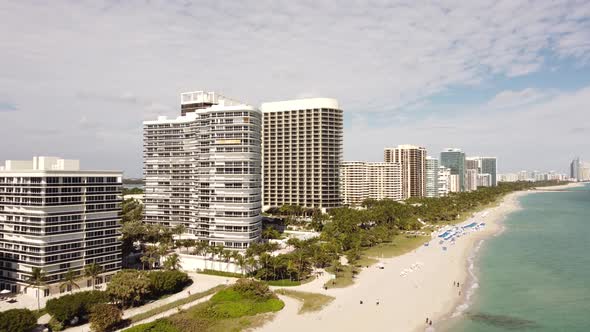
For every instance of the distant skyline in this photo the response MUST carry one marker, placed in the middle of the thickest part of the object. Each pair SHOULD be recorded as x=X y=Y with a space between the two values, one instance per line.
x=78 y=78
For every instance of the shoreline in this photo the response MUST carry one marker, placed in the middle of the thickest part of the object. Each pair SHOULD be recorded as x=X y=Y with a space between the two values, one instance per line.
x=392 y=302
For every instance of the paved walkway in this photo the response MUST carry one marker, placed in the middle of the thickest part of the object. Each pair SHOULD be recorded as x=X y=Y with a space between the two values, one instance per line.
x=201 y=283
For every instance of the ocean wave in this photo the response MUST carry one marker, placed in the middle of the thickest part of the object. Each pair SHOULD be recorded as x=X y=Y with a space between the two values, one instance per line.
x=472 y=281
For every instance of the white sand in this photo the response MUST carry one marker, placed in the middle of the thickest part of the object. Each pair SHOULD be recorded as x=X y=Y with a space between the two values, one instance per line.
x=404 y=302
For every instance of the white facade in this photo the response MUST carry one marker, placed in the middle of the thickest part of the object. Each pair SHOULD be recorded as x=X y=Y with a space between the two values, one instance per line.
x=360 y=180
x=302 y=152
x=454 y=183
x=57 y=217
x=203 y=170
x=484 y=180
x=471 y=179
x=444 y=181
x=432 y=177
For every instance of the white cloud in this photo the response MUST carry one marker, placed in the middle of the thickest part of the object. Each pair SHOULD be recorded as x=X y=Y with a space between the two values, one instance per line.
x=133 y=58
x=510 y=98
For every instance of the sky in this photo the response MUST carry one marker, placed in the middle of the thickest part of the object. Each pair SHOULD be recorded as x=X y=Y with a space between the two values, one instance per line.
x=509 y=79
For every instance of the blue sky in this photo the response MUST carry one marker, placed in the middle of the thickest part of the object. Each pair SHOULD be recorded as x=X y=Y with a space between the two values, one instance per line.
x=503 y=78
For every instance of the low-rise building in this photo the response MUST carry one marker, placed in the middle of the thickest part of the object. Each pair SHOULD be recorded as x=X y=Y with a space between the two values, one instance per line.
x=56 y=217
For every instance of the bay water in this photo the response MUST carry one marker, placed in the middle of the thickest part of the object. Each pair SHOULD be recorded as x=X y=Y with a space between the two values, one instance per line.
x=535 y=275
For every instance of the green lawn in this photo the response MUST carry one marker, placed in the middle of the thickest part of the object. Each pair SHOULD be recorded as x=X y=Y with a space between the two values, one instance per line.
x=283 y=283
x=344 y=277
x=220 y=273
x=399 y=245
x=311 y=301
x=172 y=305
x=228 y=310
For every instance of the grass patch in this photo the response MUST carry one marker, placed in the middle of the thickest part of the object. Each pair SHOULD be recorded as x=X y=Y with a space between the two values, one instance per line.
x=366 y=261
x=311 y=301
x=172 y=305
x=283 y=282
x=220 y=273
x=242 y=306
x=399 y=245
x=344 y=277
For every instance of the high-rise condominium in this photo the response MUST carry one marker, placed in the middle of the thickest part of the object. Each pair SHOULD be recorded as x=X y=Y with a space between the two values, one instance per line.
x=56 y=217
x=302 y=152
x=472 y=163
x=455 y=160
x=470 y=179
x=488 y=165
x=413 y=163
x=444 y=181
x=575 y=169
x=360 y=180
x=432 y=177
x=203 y=170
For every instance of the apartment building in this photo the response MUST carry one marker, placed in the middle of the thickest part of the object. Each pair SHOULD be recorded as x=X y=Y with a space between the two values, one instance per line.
x=454 y=159
x=302 y=152
x=471 y=179
x=432 y=177
x=413 y=163
x=56 y=217
x=444 y=180
x=203 y=170
x=360 y=180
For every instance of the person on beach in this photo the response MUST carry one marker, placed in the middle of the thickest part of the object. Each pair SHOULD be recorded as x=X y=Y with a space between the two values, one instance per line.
x=361 y=301
x=430 y=322
x=426 y=320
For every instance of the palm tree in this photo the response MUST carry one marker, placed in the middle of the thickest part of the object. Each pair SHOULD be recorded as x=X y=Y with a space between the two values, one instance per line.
x=92 y=271
x=227 y=256
x=179 y=230
x=37 y=281
x=70 y=280
x=241 y=261
x=172 y=262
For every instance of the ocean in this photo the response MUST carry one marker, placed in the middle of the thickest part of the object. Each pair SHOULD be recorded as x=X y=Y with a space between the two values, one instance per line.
x=535 y=275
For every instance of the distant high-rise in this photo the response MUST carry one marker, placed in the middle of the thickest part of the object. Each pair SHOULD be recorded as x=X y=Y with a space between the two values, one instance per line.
x=360 y=180
x=413 y=163
x=472 y=163
x=302 y=152
x=454 y=183
x=443 y=181
x=470 y=180
x=488 y=165
x=575 y=169
x=484 y=180
x=432 y=177
x=203 y=170
x=455 y=160
x=56 y=217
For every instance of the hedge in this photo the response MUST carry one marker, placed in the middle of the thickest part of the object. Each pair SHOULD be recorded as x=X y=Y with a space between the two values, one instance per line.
x=17 y=320
x=65 y=308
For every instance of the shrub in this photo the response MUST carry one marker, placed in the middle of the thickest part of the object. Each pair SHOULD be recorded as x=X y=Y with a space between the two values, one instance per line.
x=55 y=325
x=253 y=289
x=167 y=282
x=104 y=317
x=129 y=287
x=17 y=320
x=65 y=308
x=160 y=325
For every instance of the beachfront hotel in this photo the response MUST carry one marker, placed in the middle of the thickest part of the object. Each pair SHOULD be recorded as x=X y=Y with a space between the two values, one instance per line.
x=56 y=217
x=454 y=159
x=360 y=180
x=302 y=152
x=413 y=163
x=444 y=181
x=203 y=170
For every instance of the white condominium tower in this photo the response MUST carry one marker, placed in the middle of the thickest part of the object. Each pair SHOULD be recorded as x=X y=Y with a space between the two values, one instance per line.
x=360 y=180
x=55 y=217
x=413 y=162
x=432 y=178
x=202 y=170
x=444 y=181
x=302 y=144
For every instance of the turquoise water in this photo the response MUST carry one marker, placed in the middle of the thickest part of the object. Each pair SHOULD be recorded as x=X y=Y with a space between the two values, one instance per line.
x=535 y=276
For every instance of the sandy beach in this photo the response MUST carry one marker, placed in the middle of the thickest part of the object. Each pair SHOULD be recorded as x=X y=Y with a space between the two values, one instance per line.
x=404 y=302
